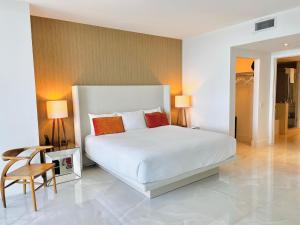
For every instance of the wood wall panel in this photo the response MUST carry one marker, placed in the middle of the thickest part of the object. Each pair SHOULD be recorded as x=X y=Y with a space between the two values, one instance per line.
x=67 y=54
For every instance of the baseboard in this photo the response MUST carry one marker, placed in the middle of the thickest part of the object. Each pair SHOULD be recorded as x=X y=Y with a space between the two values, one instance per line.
x=244 y=139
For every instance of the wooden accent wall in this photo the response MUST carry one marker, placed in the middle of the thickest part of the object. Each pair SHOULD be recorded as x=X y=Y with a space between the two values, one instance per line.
x=67 y=54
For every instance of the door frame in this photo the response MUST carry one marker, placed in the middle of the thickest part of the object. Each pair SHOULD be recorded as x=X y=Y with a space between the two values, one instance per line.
x=236 y=53
x=273 y=81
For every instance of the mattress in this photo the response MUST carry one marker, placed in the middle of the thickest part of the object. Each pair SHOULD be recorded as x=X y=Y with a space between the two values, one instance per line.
x=150 y=155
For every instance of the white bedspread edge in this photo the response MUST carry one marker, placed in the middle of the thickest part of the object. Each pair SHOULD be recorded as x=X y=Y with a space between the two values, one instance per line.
x=154 y=185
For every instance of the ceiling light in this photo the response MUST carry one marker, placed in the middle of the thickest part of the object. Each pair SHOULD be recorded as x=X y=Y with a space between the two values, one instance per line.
x=285 y=44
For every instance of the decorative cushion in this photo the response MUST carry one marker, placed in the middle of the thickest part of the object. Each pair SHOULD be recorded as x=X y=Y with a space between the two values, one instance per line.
x=133 y=120
x=156 y=119
x=92 y=116
x=108 y=125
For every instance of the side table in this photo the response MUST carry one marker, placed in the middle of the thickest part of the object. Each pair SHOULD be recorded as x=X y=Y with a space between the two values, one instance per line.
x=67 y=162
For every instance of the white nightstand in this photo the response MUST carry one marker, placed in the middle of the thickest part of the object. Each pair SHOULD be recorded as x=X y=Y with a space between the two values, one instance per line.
x=67 y=163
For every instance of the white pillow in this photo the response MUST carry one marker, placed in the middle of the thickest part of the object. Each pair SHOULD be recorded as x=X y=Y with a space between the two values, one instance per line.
x=158 y=109
x=133 y=120
x=92 y=116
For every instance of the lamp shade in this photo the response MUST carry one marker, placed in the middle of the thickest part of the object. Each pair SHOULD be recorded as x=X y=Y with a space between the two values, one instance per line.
x=57 y=109
x=182 y=101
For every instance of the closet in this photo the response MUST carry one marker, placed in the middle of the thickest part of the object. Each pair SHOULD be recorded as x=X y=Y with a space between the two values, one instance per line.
x=244 y=99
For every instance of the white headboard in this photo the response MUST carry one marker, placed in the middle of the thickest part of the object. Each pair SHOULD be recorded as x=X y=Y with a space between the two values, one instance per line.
x=110 y=99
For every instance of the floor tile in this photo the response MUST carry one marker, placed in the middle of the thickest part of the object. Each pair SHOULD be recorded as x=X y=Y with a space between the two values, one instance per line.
x=261 y=187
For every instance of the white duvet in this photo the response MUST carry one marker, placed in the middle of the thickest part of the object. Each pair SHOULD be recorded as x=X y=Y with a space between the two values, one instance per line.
x=149 y=155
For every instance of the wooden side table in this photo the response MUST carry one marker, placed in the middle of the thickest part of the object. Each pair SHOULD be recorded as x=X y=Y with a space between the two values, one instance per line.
x=67 y=162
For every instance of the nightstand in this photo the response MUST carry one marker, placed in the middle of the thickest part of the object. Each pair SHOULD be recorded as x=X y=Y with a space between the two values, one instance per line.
x=67 y=160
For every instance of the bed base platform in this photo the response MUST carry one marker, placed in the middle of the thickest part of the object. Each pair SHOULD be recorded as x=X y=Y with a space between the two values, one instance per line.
x=155 y=189
x=178 y=184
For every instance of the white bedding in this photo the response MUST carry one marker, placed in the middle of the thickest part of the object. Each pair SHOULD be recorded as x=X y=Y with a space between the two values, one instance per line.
x=149 y=155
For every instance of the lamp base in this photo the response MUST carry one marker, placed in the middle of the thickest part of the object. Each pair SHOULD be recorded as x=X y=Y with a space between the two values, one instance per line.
x=182 y=114
x=60 y=142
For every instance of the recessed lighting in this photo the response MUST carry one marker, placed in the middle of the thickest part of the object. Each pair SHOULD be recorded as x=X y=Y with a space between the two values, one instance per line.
x=285 y=44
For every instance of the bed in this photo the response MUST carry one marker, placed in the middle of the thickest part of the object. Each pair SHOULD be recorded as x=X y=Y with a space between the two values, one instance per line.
x=152 y=161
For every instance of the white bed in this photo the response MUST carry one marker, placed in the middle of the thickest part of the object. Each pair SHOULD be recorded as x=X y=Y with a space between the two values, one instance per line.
x=153 y=161
x=157 y=154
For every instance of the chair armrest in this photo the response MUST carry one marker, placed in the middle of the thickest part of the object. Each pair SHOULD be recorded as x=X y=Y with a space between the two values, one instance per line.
x=15 y=158
x=41 y=148
x=13 y=154
x=37 y=150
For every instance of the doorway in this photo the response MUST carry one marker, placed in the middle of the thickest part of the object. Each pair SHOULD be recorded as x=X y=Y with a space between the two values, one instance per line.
x=287 y=97
x=244 y=82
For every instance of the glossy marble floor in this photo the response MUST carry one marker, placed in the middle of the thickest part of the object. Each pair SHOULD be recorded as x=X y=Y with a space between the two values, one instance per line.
x=262 y=187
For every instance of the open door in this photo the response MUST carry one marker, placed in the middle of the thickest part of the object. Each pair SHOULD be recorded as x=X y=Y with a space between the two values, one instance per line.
x=287 y=97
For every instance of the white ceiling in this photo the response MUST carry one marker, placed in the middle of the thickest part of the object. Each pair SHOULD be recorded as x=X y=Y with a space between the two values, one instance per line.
x=274 y=45
x=171 y=18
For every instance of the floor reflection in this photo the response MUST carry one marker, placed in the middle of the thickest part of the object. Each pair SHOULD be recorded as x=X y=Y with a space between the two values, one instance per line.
x=261 y=187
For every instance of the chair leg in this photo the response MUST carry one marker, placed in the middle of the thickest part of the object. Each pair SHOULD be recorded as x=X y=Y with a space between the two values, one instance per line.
x=2 y=187
x=54 y=181
x=44 y=176
x=33 y=193
x=45 y=181
x=24 y=186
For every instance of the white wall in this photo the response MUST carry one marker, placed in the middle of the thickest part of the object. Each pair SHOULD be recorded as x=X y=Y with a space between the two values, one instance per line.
x=18 y=115
x=208 y=75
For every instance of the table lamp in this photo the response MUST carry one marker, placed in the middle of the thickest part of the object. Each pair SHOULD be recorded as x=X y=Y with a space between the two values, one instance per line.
x=182 y=102
x=57 y=110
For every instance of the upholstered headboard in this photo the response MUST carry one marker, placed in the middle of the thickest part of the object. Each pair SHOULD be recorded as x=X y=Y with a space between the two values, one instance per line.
x=110 y=99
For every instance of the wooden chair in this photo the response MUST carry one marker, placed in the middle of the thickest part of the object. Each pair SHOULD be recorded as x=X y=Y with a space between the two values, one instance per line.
x=27 y=173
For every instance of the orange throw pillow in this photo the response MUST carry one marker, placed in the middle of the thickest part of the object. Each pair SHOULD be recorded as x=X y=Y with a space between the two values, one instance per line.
x=108 y=125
